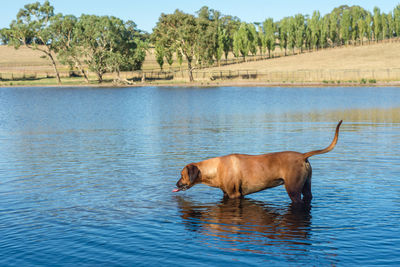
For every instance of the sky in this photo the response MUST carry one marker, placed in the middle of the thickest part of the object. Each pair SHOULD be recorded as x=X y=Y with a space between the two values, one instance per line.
x=146 y=13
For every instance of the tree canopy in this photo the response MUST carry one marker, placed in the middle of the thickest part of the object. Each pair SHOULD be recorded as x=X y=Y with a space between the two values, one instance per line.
x=100 y=43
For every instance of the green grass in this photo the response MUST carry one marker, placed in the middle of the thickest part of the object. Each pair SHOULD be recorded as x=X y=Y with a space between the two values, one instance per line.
x=46 y=82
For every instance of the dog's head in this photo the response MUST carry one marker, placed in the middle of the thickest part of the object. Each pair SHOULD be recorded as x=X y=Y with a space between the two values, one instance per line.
x=190 y=175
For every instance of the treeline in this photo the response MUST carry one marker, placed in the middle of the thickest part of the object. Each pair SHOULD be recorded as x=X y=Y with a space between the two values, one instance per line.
x=100 y=43
x=205 y=38
x=108 y=44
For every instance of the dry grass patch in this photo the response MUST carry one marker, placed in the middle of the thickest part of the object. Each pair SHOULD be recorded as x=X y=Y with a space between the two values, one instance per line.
x=27 y=60
x=367 y=57
x=22 y=59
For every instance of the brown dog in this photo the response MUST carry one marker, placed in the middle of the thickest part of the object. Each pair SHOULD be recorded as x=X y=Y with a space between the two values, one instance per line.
x=238 y=175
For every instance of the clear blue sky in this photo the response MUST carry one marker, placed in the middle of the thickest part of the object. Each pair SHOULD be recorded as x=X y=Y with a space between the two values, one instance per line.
x=145 y=13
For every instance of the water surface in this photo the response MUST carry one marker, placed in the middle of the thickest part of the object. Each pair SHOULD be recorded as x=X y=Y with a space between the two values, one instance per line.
x=86 y=176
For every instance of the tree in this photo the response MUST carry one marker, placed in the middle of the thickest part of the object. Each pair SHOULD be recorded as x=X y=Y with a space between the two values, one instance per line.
x=4 y=36
x=91 y=33
x=225 y=42
x=220 y=44
x=390 y=22
x=127 y=47
x=252 y=37
x=385 y=26
x=300 y=30
x=368 y=21
x=356 y=13
x=377 y=24
x=283 y=33
x=292 y=34
x=69 y=50
x=324 y=31
x=261 y=40
x=308 y=35
x=269 y=28
x=363 y=28
x=215 y=33
x=334 y=28
x=315 y=26
x=241 y=42
x=31 y=29
x=137 y=57
x=159 y=50
x=230 y=25
x=180 y=32
x=207 y=44
x=345 y=27
x=245 y=40
x=396 y=20
x=110 y=44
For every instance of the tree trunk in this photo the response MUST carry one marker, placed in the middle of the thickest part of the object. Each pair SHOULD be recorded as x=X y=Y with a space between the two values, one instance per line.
x=54 y=66
x=50 y=56
x=79 y=66
x=84 y=75
x=99 y=77
x=190 y=71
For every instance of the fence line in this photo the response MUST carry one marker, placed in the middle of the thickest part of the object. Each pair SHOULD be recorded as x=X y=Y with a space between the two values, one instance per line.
x=347 y=75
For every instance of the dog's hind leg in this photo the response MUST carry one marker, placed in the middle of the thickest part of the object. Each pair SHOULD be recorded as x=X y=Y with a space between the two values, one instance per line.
x=294 y=186
x=307 y=195
x=306 y=191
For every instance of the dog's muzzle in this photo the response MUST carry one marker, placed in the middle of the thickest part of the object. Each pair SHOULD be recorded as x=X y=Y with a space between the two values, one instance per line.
x=181 y=187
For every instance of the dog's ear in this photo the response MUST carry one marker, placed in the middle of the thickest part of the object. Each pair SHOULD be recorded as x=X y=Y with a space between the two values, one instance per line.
x=193 y=172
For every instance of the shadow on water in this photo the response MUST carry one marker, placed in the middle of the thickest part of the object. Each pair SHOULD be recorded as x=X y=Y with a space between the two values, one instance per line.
x=248 y=221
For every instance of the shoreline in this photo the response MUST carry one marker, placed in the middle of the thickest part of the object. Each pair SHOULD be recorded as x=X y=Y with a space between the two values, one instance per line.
x=213 y=84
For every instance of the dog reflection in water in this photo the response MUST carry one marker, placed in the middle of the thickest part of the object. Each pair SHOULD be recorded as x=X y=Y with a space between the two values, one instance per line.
x=247 y=221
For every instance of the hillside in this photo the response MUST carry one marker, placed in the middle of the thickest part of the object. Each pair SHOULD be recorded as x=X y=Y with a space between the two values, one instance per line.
x=374 y=62
x=367 y=57
x=25 y=59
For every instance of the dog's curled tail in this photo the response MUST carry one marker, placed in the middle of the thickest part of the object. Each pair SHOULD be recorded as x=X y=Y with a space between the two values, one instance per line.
x=329 y=148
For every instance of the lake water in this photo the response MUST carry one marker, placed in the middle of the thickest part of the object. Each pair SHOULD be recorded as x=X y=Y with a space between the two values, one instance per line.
x=86 y=176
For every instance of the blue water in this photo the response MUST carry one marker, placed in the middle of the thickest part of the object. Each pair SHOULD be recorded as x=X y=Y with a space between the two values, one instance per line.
x=86 y=176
